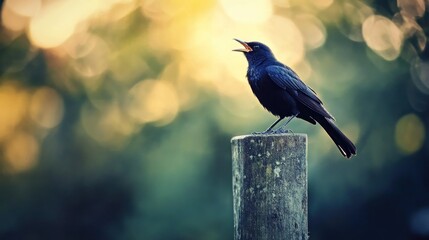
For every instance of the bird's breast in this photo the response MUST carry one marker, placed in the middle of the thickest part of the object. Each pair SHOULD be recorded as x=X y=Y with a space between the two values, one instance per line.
x=275 y=99
x=253 y=75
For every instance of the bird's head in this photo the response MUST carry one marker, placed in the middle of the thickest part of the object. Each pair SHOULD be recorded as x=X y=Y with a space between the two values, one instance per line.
x=255 y=51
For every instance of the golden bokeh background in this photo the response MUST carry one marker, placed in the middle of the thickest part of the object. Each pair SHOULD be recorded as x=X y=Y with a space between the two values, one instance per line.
x=137 y=100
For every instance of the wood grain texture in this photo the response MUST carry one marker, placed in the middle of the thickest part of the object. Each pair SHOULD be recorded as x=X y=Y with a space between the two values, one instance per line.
x=270 y=187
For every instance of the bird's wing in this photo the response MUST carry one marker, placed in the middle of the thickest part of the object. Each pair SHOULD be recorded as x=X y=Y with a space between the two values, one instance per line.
x=287 y=79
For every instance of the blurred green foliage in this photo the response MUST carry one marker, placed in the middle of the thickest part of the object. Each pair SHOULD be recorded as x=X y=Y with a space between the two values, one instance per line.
x=116 y=116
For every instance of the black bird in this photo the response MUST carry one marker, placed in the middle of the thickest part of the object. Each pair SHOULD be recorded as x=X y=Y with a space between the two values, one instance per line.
x=280 y=90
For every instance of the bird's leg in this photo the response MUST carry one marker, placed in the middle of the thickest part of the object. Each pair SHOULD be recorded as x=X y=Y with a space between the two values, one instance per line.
x=271 y=127
x=274 y=124
x=280 y=129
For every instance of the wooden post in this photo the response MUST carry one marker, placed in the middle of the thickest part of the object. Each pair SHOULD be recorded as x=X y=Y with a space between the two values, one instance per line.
x=270 y=187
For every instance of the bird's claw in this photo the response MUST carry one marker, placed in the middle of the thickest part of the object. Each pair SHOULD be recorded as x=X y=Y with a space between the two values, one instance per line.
x=280 y=131
x=261 y=133
x=277 y=131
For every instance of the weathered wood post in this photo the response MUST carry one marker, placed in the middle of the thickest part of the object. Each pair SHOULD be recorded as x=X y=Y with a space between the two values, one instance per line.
x=270 y=187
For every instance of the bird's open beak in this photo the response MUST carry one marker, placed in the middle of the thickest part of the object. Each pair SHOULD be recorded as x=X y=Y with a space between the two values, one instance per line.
x=246 y=49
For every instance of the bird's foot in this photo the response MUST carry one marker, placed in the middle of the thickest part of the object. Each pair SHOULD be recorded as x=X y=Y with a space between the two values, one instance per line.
x=262 y=133
x=281 y=130
x=277 y=131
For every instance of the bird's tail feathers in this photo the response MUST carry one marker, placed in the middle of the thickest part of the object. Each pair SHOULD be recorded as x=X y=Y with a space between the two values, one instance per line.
x=346 y=147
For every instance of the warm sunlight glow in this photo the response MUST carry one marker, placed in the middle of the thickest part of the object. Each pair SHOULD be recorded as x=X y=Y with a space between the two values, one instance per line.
x=54 y=25
x=46 y=107
x=382 y=36
x=21 y=152
x=57 y=20
x=410 y=27
x=24 y=8
x=409 y=133
x=415 y=8
x=153 y=101
x=256 y=11
x=12 y=20
x=313 y=31
x=13 y=106
x=322 y=4
x=161 y=10
x=286 y=40
x=80 y=45
x=357 y=13
x=91 y=56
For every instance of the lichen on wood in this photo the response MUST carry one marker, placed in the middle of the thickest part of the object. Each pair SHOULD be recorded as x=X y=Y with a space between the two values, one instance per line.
x=270 y=186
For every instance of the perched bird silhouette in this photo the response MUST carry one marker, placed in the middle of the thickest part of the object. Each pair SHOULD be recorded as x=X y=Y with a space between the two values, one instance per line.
x=280 y=90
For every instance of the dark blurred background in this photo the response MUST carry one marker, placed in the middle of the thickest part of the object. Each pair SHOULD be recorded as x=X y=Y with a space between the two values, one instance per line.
x=116 y=116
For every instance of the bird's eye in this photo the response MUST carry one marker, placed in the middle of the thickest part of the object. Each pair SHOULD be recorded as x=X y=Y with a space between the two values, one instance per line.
x=256 y=46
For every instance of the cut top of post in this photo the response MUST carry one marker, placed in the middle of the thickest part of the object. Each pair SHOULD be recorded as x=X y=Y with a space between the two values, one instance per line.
x=284 y=140
x=261 y=146
x=277 y=135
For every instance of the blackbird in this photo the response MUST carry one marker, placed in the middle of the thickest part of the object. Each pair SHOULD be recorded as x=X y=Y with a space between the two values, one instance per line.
x=280 y=90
